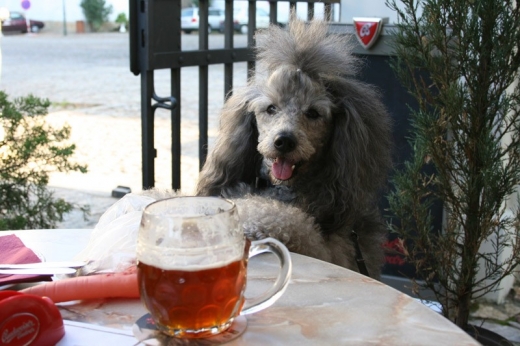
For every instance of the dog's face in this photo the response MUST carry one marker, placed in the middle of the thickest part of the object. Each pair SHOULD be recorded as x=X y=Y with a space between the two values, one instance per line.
x=294 y=120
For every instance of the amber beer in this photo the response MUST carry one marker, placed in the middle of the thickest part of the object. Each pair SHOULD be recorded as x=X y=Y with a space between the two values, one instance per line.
x=191 y=258
x=193 y=303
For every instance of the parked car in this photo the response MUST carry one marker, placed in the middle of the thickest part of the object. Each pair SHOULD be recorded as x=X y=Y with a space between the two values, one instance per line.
x=18 y=23
x=241 y=18
x=190 y=19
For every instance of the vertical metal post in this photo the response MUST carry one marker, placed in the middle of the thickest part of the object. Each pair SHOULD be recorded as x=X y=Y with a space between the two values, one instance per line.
x=273 y=12
x=310 y=11
x=203 y=84
x=175 y=90
x=228 y=44
x=251 y=26
x=176 y=128
x=147 y=130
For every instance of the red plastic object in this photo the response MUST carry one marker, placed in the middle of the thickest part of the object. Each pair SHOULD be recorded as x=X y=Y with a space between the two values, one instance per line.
x=27 y=319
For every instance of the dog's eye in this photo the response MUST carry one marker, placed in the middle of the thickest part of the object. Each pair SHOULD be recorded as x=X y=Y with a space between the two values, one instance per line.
x=271 y=110
x=312 y=114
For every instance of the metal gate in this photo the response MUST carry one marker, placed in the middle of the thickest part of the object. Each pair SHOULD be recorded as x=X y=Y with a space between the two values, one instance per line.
x=155 y=43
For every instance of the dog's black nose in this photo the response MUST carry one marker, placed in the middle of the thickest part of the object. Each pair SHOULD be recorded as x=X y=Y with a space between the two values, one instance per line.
x=285 y=142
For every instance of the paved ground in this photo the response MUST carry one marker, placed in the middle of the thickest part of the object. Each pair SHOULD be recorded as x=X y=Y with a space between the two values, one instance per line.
x=87 y=78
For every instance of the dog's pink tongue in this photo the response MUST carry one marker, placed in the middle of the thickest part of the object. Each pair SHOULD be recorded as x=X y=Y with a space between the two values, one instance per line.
x=282 y=169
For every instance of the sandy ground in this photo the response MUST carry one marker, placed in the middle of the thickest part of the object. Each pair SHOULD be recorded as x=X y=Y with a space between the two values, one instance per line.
x=113 y=156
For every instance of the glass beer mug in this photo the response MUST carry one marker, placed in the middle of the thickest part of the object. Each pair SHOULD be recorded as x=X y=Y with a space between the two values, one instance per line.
x=192 y=261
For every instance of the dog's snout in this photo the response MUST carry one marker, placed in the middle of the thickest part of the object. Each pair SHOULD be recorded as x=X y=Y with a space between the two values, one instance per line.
x=285 y=142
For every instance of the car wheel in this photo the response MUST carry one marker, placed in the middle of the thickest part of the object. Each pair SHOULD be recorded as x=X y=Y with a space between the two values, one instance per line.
x=35 y=28
x=243 y=29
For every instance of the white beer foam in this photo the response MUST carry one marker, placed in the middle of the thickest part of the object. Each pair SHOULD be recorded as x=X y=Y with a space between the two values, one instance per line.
x=190 y=259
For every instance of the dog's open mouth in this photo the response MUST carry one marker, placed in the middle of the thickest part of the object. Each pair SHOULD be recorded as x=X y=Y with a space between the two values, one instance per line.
x=283 y=168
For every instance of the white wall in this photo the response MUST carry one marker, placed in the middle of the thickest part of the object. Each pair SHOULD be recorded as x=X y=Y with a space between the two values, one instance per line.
x=283 y=9
x=367 y=8
x=52 y=10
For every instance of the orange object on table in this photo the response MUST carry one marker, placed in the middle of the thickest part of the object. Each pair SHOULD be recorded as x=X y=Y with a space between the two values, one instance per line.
x=112 y=285
x=26 y=319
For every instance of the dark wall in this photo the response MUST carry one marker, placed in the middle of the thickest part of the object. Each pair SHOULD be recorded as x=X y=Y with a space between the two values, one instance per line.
x=378 y=72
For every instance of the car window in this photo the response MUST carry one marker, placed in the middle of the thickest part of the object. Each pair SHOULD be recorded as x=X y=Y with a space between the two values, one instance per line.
x=16 y=15
x=214 y=12
x=188 y=12
x=260 y=12
x=244 y=11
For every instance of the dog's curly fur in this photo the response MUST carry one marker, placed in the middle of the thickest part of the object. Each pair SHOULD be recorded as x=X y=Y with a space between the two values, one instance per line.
x=319 y=137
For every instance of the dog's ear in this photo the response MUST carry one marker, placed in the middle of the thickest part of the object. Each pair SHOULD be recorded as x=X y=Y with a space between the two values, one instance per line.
x=234 y=158
x=361 y=144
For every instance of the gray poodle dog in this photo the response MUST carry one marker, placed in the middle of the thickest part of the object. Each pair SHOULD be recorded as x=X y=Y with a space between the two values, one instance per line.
x=304 y=148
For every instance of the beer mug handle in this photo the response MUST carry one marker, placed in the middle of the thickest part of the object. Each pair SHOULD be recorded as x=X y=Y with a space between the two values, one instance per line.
x=267 y=299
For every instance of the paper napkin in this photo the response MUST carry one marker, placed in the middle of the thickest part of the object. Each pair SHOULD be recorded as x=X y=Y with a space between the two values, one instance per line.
x=13 y=251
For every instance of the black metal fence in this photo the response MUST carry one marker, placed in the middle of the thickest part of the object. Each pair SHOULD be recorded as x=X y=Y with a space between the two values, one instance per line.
x=155 y=43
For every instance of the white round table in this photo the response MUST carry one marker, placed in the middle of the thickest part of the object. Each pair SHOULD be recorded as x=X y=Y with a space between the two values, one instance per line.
x=323 y=305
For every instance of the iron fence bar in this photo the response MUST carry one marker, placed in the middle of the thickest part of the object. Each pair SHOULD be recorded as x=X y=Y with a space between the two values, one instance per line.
x=228 y=46
x=251 y=25
x=310 y=11
x=175 y=90
x=273 y=12
x=133 y=30
x=203 y=114
x=178 y=59
x=147 y=130
x=203 y=83
x=175 y=75
x=203 y=23
x=169 y=103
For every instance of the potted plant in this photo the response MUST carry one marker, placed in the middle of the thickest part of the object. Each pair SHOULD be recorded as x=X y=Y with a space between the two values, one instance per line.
x=460 y=60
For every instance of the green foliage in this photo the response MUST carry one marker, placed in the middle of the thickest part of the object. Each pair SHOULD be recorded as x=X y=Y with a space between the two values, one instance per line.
x=196 y=3
x=460 y=60
x=121 y=19
x=96 y=12
x=29 y=150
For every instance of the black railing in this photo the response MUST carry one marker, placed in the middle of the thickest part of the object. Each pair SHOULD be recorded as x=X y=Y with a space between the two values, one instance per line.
x=155 y=43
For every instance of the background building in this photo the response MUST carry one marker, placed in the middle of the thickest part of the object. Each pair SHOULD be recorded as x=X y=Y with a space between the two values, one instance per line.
x=53 y=10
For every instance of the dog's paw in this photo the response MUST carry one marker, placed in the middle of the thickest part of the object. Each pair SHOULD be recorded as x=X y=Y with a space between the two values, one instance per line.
x=265 y=217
